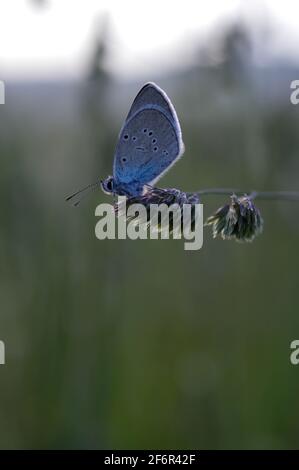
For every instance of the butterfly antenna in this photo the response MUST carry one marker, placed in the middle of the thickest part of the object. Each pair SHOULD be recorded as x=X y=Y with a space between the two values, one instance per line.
x=89 y=188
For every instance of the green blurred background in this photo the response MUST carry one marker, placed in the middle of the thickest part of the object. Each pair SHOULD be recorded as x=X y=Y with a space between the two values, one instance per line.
x=140 y=344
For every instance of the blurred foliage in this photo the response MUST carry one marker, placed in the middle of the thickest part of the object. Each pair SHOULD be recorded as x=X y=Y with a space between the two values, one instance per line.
x=140 y=344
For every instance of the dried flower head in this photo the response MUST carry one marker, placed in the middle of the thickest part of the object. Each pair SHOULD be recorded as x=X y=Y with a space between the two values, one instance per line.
x=239 y=220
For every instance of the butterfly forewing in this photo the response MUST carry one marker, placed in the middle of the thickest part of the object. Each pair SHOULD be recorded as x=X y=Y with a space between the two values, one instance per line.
x=150 y=140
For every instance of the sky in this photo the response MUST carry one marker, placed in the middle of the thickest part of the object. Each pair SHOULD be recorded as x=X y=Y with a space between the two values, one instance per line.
x=55 y=40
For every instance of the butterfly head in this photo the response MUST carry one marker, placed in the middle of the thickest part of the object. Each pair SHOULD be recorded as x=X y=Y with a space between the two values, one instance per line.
x=108 y=185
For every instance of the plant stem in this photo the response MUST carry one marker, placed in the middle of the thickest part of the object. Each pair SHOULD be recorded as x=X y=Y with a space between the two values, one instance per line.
x=276 y=195
x=263 y=195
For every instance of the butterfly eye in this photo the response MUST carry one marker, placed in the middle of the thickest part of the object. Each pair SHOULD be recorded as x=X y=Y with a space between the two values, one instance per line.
x=109 y=185
x=126 y=137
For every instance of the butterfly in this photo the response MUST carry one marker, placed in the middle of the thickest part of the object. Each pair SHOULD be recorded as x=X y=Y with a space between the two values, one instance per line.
x=149 y=144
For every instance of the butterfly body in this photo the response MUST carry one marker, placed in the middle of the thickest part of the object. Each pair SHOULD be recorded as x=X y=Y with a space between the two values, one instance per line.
x=150 y=142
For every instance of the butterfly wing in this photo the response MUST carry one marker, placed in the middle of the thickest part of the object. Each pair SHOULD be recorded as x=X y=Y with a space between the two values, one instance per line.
x=150 y=141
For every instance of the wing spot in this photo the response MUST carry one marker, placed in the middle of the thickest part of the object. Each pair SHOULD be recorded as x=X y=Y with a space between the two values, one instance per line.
x=165 y=152
x=150 y=133
x=134 y=138
x=155 y=149
x=124 y=159
x=154 y=141
x=145 y=131
x=126 y=137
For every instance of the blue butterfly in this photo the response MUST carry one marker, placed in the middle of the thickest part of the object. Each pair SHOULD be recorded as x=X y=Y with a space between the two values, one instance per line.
x=149 y=143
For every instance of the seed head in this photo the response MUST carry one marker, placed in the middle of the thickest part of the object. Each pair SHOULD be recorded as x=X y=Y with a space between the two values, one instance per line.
x=240 y=220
